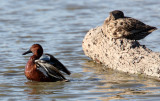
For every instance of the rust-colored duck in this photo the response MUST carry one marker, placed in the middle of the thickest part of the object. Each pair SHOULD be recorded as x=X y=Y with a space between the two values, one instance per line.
x=45 y=69
x=119 y=26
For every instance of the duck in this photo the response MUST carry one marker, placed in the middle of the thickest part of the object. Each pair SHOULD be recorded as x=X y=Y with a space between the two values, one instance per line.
x=119 y=26
x=44 y=67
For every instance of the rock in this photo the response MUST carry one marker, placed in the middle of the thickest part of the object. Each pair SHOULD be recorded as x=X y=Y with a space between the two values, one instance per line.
x=121 y=54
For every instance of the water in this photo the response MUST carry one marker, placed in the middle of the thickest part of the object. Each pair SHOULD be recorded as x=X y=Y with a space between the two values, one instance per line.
x=60 y=26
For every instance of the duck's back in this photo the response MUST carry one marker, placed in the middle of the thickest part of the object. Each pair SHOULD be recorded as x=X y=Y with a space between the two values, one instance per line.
x=129 y=28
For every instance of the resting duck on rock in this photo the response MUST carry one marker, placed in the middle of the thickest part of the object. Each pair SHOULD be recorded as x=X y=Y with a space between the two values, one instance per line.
x=119 y=26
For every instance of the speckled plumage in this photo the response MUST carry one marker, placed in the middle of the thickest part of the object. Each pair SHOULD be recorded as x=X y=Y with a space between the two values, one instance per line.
x=119 y=26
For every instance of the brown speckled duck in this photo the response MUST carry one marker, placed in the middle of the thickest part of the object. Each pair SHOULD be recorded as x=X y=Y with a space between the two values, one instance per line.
x=119 y=26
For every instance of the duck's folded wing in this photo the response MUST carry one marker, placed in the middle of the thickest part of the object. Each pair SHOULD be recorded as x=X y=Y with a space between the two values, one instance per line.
x=56 y=63
x=134 y=26
x=49 y=70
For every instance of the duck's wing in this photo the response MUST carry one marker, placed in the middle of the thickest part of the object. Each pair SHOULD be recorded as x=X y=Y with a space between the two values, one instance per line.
x=125 y=27
x=56 y=63
x=49 y=70
x=134 y=25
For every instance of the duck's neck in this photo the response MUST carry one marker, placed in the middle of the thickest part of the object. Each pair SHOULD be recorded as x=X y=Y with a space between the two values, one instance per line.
x=34 y=57
x=31 y=63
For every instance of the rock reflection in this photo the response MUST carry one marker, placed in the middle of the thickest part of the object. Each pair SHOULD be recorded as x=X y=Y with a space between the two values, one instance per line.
x=116 y=85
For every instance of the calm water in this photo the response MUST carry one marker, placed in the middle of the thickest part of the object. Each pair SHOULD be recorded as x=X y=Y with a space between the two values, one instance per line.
x=60 y=26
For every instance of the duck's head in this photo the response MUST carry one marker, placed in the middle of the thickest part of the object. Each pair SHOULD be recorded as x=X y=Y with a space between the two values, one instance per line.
x=36 y=49
x=116 y=14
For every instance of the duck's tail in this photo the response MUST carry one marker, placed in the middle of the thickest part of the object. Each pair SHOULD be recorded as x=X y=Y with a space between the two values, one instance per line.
x=151 y=29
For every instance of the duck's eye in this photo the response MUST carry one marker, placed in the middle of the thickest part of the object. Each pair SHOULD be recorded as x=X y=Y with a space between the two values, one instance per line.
x=114 y=33
x=121 y=23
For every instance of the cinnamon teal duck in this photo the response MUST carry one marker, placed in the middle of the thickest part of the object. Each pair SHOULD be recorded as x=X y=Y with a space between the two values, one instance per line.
x=46 y=68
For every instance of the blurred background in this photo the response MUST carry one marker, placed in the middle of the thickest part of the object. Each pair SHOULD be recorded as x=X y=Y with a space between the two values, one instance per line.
x=60 y=26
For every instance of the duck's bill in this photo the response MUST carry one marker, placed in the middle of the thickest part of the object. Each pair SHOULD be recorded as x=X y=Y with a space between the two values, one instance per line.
x=29 y=51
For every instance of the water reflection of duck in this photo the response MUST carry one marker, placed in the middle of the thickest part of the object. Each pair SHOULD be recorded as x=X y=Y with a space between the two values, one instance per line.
x=44 y=69
x=117 y=25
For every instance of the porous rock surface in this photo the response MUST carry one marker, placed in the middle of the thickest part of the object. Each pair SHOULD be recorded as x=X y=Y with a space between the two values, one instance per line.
x=121 y=54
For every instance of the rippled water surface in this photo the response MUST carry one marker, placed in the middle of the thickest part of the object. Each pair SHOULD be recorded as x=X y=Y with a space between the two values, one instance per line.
x=60 y=26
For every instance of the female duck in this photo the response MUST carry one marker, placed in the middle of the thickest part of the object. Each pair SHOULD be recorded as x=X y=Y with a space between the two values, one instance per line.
x=45 y=69
x=117 y=26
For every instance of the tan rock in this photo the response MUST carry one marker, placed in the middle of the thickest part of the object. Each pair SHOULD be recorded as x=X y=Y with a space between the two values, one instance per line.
x=121 y=54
